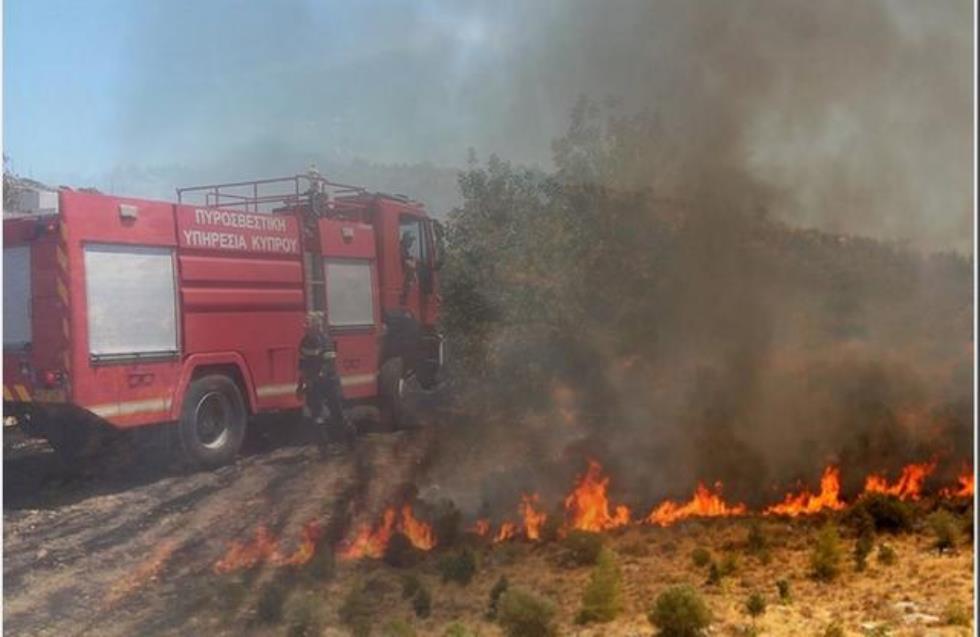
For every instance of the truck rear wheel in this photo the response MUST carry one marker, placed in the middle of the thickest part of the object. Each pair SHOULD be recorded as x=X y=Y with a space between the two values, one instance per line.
x=212 y=421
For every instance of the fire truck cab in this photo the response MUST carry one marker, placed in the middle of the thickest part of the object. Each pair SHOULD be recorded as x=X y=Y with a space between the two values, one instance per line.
x=130 y=313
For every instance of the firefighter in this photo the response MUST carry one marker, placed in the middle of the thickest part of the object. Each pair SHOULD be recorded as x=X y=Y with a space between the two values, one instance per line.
x=319 y=383
x=409 y=265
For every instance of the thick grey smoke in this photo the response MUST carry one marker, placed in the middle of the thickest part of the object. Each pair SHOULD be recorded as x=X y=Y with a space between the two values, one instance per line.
x=776 y=351
x=856 y=116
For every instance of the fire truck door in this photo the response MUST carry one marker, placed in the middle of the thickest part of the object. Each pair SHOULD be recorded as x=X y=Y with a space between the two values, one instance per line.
x=353 y=318
x=413 y=264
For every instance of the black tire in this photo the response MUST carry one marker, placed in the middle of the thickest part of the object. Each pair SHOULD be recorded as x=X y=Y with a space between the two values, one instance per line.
x=212 y=421
x=74 y=441
x=391 y=385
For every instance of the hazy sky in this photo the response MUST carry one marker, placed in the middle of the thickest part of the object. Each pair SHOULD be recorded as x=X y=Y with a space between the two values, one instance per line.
x=864 y=106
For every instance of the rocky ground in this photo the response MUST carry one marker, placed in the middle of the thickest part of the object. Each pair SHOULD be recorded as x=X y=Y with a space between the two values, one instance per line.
x=115 y=550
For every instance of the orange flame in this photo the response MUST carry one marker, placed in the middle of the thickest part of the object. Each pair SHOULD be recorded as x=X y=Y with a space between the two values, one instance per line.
x=964 y=488
x=506 y=532
x=533 y=518
x=481 y=527
x=147 y=571
x=371 y=542
x=705 y=504
x=249 y=554
x=418 y=533
x=909 y=484
x=587 y=506
x=265 y=549
x=310 y=535
x=805 y=503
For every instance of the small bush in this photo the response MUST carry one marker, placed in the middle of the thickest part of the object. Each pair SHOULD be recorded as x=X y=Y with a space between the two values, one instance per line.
x=943 y=526
x=304 y=615
x=410 y=585
x=422 y=602
x=826 y=555
x=834 y=630
x=458 y=566
x=358 y=610
x=888 y=512
x=551 y=528
x=714 y=574
x=956 y=615
x=521 y=614
x=447 y=523
x=321 y=567
x=680 y=612
x=398 y=628
x=400 y=552
x=458 y=630
x=862 y=548
x=782 y=587
x=886 y=555
x=581 y=548
x=269 y=605
x=700 y=556
x=756 y=543
x=603 y=597
x=499 y=588
x=755 y=605
x=728 y=565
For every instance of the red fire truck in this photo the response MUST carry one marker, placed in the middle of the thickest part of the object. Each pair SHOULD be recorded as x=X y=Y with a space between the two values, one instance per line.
x=134 y=313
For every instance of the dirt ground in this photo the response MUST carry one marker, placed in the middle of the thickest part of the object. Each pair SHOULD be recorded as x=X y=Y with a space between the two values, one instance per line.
x=120 y=551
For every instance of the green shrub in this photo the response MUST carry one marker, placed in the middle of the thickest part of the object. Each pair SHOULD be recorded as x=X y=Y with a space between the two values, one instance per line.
x=862 y=548
x=499 y=588
x=886 y=555
x=943 y=526
x=834 y=630
x=458 y=566
x=304 y=615
x=581 y=548
x=714 y=574
x=755 y=605
x=397 y=628
x=782 y=587
x=400 y=552
x=357 y=611
x=551 y=529
x=322 y=566
x=447 y=523
x=956 y=615
x=826 y=555
x=422 y=602
x=679 y=611
x=521 y=614
x=728 y=565
x=700 y=556
x=603 y=597
x=410 y=585
x=756 y=543
x=458 y=630
x=269 y=605
x=888 y=512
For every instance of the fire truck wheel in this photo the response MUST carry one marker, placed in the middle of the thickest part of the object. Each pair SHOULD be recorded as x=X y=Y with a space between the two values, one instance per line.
x=391 y=384
x=212 y=421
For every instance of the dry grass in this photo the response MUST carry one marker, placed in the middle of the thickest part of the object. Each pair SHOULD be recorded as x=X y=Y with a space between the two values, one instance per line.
x=932 y=582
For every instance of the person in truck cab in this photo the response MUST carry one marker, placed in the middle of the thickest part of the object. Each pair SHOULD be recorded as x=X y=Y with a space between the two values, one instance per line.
x=319 y=383
x=409 y=265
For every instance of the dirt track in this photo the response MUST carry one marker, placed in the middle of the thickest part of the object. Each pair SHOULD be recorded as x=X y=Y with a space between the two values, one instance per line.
x=122 y=551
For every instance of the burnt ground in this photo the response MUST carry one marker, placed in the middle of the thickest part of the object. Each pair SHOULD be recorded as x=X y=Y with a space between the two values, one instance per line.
x=116 y=548
x=122 y=549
